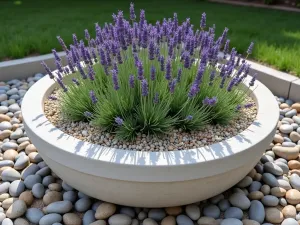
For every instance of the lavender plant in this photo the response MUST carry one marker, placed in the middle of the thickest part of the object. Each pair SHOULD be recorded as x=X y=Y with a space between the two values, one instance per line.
x=136 y=77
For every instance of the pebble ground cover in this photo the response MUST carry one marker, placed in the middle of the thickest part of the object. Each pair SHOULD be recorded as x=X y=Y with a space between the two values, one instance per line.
x=30 y=193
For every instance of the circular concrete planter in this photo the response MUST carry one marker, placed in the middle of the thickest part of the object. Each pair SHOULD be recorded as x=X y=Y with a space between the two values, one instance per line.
x=149 y=179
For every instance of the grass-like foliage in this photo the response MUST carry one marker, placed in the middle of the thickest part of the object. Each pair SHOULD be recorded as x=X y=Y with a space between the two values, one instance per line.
x=136 y=77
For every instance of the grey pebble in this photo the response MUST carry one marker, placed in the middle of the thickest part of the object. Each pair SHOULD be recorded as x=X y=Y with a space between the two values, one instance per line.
x=82 y=195
x=16 y=188
x=45 y=171
x=288 y=144
x=4 y=187
x=119 y=219
x=257 y=211
x=233 y=212
x=18 y=133
x=283 y=166
x=224 y=204
x=266 y=158
x=289 y=221
x=30 y=170
x=21 y=162
x=281 y=160
x=38 y=190
x=157 y=214
x=270 y=180
x=239 y=200
x=34 y=215
x=3 y=109
x=5 y=125
x=48 y=180
x=66 y=187
x=149 y=221
x=211 y=211
x=10 y=174
x=255 y=186
x=214 y=200
x=88 y=217
x=270 y=200
x=295 y=181
x=184 y=220
x=59 y=207
x=32 y=180
x=291 y=113
x=14 y=108
x=83 y=204
x=283 y=202
x=7 y=221
x=286 y=128
x=2 y=216
x=71 y=196
x=9 y=145
x=231 y=221
x=6 y=163
x=273 y=168
x=259 y=168
x=50 y=219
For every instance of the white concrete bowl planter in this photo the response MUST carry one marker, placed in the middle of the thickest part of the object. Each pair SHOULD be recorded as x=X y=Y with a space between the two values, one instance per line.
x=149 y=179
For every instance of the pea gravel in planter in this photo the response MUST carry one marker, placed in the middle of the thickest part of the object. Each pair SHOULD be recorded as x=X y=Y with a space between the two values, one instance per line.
x=176 y=140
x=30 y=193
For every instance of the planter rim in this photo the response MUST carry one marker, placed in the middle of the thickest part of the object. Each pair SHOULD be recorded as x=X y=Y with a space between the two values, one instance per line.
x=74 y=151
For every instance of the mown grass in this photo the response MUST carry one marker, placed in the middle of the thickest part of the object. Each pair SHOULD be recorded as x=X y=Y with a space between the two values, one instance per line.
x=32 y=26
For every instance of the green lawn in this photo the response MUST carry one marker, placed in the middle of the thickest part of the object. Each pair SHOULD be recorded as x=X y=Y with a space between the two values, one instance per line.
x=32 y=27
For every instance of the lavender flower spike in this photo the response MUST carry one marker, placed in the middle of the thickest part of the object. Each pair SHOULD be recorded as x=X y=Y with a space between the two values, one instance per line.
x=203 y=21
x=131 y=81
x=168 y=75
x=93 y=97
x=47 y=70
x=57 y=58
x=119 y=121
x=81 y=71
x=249 y=51
x=248 y=105
x=210 y=101
x=226 y=48
x=87 y=114
x=172 y=85
x=75 y=40
x=152 y=73
x=87 y=35
x=251 y=83
x=145 y=90
x=75 y=81
x=91 y=73
x=156 y=98
x=62 y=85
x=193 y=91
x=140 y=70
x=179 y=73
x=62 y=43
x=132 y=13
x=115 y=79
x=52 y=97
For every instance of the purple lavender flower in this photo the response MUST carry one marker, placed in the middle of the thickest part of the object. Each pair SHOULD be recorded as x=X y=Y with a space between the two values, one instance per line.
x=224 y=35
x=142 y=18
x=82 y=52
x=226 y=48
x=210 y=101
x=75 y=81
x=223 y=81
x=94 y=55
x=200 y=73
x=75 y=40
x=132 y=13
x=115 y=79
x=246 y=72
x=131 y=81
x=62 y=85
x=172 y=85
x=187 y=60
x=156 y=98
x=212 y=77
x=162 y=63
x=179 y=73
x=57 y=58
x=108 y=58
x=102 y=56
x=241 y=69
x=144 y=40
x=52 y=97
x=249 y=51
x=152 y=72
x=119 y=121
x=193 y=90
x=145 y=90
x=62 y=43
x=231 y=84
x=47 y=70
x=248 y=105
x=87 y=35
x=88 y=55
x=119 y=57
x=93 y=97
x=189 y=117
x=203 y=21
x=168 y=75
x=70 y=63
x=87 y=114
x=238 y=107
x=74 y=54
x=67 y=71
x=91 y=73
x=81 y=71
x=59 y=66
x=140 y=70
x=251 y=83
x=151 y=50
